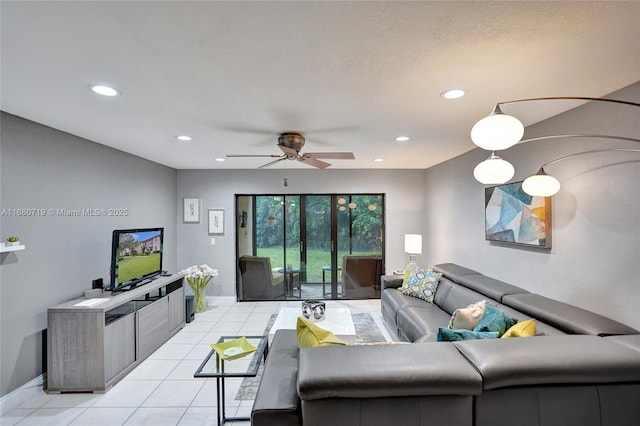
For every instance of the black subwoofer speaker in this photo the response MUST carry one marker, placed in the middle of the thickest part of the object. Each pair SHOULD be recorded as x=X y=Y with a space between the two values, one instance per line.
x=190 y=308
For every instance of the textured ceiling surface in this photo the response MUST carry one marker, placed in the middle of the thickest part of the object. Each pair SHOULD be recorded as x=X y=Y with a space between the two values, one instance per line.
x=349 y=75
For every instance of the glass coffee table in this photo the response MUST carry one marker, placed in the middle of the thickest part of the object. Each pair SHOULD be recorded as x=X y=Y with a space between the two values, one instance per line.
x=214 y=366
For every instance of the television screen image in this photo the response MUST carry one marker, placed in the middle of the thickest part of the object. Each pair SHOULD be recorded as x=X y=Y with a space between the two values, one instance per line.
x=136 y=255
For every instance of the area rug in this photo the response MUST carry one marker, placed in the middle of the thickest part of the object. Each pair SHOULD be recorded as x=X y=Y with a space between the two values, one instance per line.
x=367 y=331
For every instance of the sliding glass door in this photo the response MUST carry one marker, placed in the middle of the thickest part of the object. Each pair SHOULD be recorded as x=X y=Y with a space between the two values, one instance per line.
x=309 y=246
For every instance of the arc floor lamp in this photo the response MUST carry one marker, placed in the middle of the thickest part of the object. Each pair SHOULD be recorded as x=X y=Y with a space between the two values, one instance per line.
x=499 y=131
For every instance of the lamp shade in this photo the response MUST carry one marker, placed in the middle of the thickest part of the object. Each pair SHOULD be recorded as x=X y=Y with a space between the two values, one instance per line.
x=541 y=185
x=493 y=171
x=413 y=243
x=497 y=131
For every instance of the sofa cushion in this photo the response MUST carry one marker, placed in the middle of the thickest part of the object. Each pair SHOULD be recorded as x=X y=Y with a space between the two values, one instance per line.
x=631 y=341
x=366 y=371
x=448 y=335
x=542 y=328
x=311 y=335
x=568 y=318
x=495 y=289
x=551 y=360
x=494 y=320
x=418 y=321
x=421 y=283
x=522 y=329
x=393 y=301
x=456 y=297
x=453 y=271
x=467 y=318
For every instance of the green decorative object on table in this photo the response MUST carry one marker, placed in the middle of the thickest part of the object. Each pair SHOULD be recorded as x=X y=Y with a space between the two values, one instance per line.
x=13 y=241
x=198 y=277
x=234 y=349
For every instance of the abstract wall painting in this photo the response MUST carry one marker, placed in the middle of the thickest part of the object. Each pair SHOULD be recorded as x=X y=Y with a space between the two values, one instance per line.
x=513 y=216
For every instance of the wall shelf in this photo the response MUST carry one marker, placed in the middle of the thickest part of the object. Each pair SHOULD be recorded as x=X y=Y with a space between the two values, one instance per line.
x=4 y=248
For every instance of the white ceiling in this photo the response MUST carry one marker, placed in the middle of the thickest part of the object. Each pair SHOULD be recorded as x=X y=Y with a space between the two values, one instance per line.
x=349 y=75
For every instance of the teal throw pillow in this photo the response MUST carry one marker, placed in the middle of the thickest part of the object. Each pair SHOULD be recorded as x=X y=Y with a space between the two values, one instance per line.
x=448 y=335
x=422 y=283
x=494 y=320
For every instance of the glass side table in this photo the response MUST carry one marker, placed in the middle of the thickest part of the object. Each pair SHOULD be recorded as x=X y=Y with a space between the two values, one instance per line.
x=214 y=366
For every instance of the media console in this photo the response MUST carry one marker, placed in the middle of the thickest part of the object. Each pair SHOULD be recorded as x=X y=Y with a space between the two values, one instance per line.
x=93 y=343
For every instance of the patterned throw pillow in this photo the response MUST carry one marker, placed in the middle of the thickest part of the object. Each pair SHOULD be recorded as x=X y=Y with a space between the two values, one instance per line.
x=494 y=319
x=422 y=283
x=467 y=318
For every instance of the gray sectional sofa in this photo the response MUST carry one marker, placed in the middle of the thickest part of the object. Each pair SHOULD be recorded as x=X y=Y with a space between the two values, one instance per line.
x=582 y=369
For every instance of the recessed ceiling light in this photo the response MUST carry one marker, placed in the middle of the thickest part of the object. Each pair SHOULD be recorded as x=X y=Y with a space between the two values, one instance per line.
x=183 y=138
x=452 y=94
x=378 y=160
x=103 y=90
x=220 y=159
x=402 y=138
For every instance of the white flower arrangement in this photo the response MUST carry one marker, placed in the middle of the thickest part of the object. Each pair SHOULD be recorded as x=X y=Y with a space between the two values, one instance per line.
x=202 y=271
x=198 y=277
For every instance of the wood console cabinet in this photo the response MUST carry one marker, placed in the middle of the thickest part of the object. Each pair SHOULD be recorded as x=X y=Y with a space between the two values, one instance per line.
x=90 y=348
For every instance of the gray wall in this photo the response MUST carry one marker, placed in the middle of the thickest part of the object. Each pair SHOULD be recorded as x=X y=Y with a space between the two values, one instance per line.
x=45 y=168
x=595 y=259
x=405 y=204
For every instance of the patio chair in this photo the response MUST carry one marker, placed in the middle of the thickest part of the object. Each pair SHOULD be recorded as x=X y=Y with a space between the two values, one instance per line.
x=258 y=281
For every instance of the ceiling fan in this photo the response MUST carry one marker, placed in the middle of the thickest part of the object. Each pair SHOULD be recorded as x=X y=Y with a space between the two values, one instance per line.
x=291 y=143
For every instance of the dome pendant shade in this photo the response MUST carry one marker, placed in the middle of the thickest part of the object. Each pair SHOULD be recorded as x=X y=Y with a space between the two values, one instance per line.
x=541 y=185
x=497 y=131
x=493 y=171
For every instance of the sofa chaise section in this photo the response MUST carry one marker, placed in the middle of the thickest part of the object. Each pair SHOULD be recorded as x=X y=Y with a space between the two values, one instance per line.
x=572 y=379
x=421 y=384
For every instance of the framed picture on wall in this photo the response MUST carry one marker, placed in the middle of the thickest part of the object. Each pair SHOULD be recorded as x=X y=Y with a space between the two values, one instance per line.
x=216 y=222
x=191 y=210
x=513 y=216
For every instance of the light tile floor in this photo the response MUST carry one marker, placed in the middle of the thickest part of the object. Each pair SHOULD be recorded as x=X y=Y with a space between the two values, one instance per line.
x=162 y=390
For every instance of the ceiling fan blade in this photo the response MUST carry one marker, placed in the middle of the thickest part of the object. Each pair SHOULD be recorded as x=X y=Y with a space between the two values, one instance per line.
x=247 y=129
x=331 y=155
x=313 y=162
x=287 y=150
x=272 y=162
x=252 y=155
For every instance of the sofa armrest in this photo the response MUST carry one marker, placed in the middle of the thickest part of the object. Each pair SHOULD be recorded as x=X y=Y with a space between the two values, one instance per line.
x=276 y=402
x=385 y=371
x=545 y=360
x=391 y=281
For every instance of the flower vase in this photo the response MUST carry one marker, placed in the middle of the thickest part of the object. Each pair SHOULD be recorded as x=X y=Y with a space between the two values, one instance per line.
x=198 y=285
x=200 y=300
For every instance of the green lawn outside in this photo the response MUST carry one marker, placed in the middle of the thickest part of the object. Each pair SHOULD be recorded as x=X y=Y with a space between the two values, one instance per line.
x=316 y=259
x=131 y=267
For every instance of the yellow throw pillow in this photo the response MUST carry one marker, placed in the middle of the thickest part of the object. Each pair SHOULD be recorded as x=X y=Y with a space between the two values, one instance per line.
x=310 y=335
x=522 y=329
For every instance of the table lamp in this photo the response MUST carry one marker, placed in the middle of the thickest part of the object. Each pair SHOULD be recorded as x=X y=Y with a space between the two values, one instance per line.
x=412 y=246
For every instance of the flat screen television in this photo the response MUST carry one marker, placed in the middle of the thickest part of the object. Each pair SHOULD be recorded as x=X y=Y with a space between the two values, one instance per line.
x=136 y=256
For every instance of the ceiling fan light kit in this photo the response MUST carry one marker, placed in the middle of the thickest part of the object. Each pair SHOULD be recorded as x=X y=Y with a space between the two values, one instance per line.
x=290 y=143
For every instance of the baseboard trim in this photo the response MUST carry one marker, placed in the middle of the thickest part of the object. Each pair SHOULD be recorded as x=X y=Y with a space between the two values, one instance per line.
x=20 y=395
